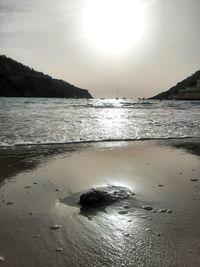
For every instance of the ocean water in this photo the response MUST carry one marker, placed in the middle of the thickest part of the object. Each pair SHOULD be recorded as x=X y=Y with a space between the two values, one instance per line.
x=45 y=121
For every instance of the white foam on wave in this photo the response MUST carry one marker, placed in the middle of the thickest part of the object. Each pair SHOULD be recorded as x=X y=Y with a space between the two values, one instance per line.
x=52 y=121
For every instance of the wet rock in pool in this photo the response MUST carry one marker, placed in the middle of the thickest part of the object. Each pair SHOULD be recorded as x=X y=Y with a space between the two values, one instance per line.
x=103 y=196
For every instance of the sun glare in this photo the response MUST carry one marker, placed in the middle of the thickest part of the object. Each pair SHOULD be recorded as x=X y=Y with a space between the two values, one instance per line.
x=113 y=25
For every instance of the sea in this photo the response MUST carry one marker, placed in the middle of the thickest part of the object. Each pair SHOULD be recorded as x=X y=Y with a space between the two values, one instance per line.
x=25 y=121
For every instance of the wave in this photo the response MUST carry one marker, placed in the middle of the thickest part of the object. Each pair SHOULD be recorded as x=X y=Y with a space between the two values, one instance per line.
x=101 y=141
x=121 y=106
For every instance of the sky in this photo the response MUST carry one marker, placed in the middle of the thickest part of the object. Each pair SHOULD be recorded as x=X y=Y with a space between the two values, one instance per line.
x=105 y=46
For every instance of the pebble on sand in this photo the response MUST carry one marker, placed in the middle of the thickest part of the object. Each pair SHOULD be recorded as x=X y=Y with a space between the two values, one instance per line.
x=148 y=230
x=169 y=211
x=59 y=249
x=147 y=207
x=27 y=186
x=123 y=212
x=194 y=180
x=127 y=234
x=154 y=211
x=162 y=211
x=9 y=203
x=55 y=227
x=37 y=236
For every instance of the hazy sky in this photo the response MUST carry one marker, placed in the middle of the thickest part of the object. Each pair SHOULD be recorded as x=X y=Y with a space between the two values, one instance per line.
x=50 y=36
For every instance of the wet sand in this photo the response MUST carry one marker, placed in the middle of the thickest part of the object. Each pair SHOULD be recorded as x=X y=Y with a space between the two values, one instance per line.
x=39 y=228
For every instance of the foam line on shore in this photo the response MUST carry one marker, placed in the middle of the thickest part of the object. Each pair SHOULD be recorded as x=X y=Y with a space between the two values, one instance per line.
x=100 y=141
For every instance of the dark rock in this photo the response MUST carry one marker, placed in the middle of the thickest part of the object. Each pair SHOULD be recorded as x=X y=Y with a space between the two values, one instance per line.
x=194 y=180
x=27 y=186
x=148 y=230
x=127 y=234
x=37 y=236
x=102 y=197
x=169 y=211
x=59 y=249
x=162 y=211
x=9 y=203
x=123 y=212
x=55 y=227
x=147 y=207
x=154 y=211
x=158 y=234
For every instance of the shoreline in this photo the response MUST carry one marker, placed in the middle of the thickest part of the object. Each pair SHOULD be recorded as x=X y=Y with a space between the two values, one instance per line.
x=51 y=147
x=101 y=141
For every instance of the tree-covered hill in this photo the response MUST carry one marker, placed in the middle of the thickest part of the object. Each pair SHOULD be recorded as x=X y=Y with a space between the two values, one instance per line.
x=17 y=80
x=180 y=89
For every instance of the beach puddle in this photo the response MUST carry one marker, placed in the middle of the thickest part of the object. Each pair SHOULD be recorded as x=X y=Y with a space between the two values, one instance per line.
x=43 y=224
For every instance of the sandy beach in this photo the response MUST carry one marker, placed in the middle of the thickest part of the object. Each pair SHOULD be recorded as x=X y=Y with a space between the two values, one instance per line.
x=39 y=228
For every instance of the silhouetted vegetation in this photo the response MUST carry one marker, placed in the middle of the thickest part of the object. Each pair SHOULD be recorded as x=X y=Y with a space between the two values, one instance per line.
x=17 y=80
x=175 y=90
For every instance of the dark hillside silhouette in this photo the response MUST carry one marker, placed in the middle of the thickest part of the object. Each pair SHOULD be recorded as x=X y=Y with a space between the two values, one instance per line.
x=188 y=89
x=17 y=80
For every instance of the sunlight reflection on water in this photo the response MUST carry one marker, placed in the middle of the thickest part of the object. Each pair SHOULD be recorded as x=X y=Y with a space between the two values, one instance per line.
x=73 y=120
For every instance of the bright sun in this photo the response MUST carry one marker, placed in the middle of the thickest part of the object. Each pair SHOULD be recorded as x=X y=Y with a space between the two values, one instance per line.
x=113 y=25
